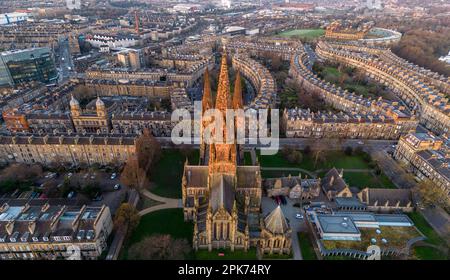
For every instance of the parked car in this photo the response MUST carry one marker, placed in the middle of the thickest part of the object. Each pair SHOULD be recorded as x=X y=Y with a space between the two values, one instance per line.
x=71 y=194
x=116 y=187
x=113 y=176
x=298 y=216
x=360 y=143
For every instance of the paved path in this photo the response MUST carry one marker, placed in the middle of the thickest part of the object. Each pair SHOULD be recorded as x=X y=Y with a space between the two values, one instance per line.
x=296 y=247
x=119 y=237
x=253 y=155
x=166 y=203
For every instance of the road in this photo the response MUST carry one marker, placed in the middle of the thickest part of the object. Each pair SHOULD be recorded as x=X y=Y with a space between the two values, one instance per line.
x=301 y=143
x=64 y=60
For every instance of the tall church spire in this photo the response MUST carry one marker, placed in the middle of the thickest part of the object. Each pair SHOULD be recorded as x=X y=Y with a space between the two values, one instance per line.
x=223 y=89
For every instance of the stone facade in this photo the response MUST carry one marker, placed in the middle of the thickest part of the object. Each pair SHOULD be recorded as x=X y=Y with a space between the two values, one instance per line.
x=427 y=156
x=38 y=230
x=414 y=89
x=222 y=197
x=67 y=149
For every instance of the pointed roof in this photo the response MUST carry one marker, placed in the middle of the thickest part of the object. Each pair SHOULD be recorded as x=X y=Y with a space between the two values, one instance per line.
x=237 y=95
x=99 y=102
x=276 y=222
x=73 y=101
x=207 y=101
x=223 y=90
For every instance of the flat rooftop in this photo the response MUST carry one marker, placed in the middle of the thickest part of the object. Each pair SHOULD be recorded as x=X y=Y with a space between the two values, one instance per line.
x=337 y=224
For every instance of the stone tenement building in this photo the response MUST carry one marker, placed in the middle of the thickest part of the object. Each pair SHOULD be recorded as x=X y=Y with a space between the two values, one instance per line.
x=260 y=78
x=71 y=149
x=223 y=197
x=429 y=101
x=306 y=124
x=360 y=117
x=180 y=78
x=337 y=32
x=427 y=156
x=285 y=49
x=37 y=230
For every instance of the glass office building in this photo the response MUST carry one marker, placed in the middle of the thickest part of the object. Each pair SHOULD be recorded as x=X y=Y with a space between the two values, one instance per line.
x=27 y=65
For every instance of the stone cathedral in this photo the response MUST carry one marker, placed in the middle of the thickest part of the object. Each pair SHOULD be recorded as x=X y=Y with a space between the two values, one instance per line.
x=221 y=195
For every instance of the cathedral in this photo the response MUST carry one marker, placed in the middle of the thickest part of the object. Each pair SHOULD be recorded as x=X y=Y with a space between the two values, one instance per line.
x=221 y=195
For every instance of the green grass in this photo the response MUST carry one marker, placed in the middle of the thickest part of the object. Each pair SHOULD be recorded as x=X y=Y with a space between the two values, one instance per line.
x=168 y=172
x=429 y=253
x=247 y=158
x=426 y=229
x=228 y=255
x=333 y=159
x=306 y=247
x=367 y=179
x=169 y=221
x=397 y=238
x=303 y=33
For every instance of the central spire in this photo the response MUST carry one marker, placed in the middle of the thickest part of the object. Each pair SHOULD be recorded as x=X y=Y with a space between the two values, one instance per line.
x=223 y=100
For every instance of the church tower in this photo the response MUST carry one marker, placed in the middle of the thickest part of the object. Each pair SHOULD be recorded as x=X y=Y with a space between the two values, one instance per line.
x=222 y=156
x=100 y=108
x=75 y=108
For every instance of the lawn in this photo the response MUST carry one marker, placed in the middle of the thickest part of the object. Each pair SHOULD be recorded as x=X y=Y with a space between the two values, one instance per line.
x=429 y=253
x=333 y=159
x=426 y=229
x=247 y=158
x=303 y=33
x=397 y=237
x=169 y=221
x=168 y=172
x=365 y=179
x=306 y=247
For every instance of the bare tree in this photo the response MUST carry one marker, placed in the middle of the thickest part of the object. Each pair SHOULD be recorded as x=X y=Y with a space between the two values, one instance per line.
x=431 y=194
x=160 y=247
x=134 y=176
x=148 y=151
x=127 y=218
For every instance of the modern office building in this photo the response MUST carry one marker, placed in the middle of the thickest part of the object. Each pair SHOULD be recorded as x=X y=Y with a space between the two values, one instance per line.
x=21 y=66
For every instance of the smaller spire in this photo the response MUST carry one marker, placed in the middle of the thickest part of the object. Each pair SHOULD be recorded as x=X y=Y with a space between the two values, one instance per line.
x=99 y=102
x=73 y=101
x=237 y=95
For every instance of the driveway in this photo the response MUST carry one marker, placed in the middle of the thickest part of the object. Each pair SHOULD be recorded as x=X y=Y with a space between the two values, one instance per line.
x=289 y=211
